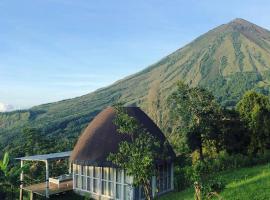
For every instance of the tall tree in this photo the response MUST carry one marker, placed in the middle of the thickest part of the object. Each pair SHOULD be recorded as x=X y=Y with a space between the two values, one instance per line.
x=196 y=112
x=138 y=155
x=235 y=136
x=254 y=110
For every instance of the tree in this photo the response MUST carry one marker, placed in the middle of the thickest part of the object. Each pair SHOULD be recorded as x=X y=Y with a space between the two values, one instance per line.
x=31 y=140
x=235 y=136
x=35 y=142
x=196 y=113
x=254 y=110
x=138 y=155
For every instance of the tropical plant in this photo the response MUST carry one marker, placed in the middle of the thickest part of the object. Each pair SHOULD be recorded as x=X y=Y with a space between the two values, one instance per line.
x=10 y=174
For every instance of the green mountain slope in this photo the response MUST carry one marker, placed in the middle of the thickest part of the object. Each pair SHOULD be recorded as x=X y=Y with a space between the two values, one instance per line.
x=227 y=60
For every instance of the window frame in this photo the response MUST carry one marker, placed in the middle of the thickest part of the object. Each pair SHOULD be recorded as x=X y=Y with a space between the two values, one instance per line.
x=91 y=174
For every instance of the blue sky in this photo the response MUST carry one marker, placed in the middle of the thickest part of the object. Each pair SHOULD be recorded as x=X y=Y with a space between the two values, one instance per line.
x=56 y=49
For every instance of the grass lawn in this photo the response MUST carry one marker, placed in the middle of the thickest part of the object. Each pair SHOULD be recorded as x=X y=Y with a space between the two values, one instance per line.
x=242 y=184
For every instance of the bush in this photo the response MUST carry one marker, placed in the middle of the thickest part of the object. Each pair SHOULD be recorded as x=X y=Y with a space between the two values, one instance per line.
x=183 y=177
x=206 y=171
x=225 y=162
x=214 y=184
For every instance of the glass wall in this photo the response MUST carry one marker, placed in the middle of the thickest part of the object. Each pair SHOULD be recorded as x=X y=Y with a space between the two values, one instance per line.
x=104 y=181
x=107 y=181
x=163 y=178
x=96 y=175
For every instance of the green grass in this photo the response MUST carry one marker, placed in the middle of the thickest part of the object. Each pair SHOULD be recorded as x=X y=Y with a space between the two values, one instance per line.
x=242 y=184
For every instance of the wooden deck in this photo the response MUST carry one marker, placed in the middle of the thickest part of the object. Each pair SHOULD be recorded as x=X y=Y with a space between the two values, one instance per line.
x=40 y=188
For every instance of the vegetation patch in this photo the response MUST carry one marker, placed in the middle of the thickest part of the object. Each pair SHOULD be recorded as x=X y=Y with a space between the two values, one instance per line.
x=245 y=183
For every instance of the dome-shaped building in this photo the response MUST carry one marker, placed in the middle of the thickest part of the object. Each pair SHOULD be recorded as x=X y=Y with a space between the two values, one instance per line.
x=93 y=174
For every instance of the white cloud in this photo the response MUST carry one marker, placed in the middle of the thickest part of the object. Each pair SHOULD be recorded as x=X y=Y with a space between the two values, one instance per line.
x=5 y=107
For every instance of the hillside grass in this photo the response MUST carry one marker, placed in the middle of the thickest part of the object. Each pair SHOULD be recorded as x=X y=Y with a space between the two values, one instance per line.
x=245 y=183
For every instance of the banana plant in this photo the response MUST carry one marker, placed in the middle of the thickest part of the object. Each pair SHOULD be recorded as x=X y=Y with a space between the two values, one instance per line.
x=11 y=175
x=4 y=164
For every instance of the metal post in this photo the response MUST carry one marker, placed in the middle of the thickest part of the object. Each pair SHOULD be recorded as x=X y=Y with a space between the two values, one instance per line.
x=47 y=179
x=21 y=180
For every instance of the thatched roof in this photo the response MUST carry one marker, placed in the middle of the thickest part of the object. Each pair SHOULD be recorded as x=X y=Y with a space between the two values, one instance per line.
x=101 y=138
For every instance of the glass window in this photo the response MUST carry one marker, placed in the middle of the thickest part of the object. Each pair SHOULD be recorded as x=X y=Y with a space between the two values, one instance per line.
x=89 y=171
x=83 y=170
x=88 y=184
x=165 y=183
x=142 y=193
x=111 y=174
x=110 y=188
x=104 y=188
x=118 y=191
x=95 y=185
x=76 y=181
x=107 y=181
x=75 y=169
x=127 y=179
x=161 y=184
x=126 y=192
x=83 y=182
x=169 y=179
x=105 y=173
x=96 y=172
x=164 y=178
x=118 y=175
x=79 y=183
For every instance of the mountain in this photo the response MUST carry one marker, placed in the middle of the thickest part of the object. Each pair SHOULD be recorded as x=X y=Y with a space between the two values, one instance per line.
x=228 y=60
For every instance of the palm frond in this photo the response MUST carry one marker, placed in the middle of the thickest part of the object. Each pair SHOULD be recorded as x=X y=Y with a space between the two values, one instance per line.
x=6 y=160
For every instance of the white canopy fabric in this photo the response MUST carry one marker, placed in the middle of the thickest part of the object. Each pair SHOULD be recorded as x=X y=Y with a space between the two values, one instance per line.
x=46 y=157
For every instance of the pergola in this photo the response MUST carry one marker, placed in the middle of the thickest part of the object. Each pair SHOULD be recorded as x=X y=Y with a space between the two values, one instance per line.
x=42 y=158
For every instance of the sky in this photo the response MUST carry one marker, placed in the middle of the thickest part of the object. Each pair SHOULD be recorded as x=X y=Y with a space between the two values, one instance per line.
x=52 y=50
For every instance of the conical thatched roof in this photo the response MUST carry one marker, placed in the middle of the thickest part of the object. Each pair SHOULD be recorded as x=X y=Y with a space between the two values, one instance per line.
x=101 y=138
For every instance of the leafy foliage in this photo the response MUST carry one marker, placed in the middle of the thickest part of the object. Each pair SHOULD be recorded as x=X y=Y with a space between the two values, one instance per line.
x=10 y=177
x=137 y=156
x=235 y=136
x=196 y=111
x=254 y=109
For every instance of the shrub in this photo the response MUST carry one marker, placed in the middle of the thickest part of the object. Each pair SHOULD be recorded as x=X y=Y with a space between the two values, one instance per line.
x=206 y=172
x=183 y=177
x=214 y=184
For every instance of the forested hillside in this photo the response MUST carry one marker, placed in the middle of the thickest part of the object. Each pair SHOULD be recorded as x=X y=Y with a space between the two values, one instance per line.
x=227 y=60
